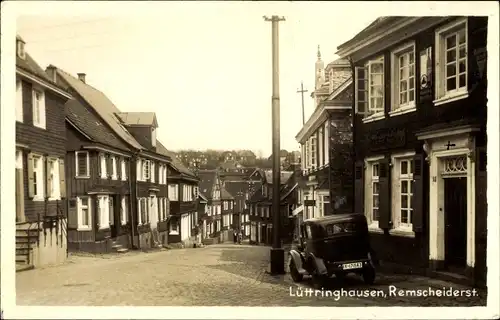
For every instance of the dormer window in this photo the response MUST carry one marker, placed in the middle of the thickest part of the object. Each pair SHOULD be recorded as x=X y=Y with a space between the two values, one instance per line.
x=20 y=48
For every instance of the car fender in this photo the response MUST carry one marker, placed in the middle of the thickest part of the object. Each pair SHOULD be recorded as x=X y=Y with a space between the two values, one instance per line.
x=319 y=265
x=296 y=257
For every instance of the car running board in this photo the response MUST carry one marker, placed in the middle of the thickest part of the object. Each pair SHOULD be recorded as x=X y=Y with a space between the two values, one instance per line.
x=302 y=271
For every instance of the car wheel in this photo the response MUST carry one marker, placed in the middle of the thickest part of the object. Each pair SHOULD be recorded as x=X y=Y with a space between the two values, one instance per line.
x=296 y=276
x=319 y=281
x=340 y=276
x=369 y=275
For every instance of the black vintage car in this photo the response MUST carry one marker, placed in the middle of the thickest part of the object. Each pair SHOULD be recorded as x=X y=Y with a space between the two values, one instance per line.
x=333 y=245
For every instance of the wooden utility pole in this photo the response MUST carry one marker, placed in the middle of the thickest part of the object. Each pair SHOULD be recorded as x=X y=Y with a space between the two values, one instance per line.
x=277 y=256
x=302 y=91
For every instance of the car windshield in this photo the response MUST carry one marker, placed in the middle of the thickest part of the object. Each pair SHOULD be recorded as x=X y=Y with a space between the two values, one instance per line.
x=343 y=227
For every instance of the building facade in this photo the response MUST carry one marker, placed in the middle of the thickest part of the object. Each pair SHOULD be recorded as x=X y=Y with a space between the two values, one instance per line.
x=40 y=184
x=326 y=144
x=420 y=140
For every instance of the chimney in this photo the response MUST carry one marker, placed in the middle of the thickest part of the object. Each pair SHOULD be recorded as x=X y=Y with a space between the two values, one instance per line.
x=81 y=77
x=20 y=47
x=51 y=72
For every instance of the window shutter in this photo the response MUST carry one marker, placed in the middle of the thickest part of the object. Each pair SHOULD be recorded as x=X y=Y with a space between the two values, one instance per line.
x=118 y=162
x=384 y=221
x=97 y=214
x=361 y=90
x=73 y=213
x=99 y=168
x=62 y=178
x=48 y=178
x=418 y=193
x=109 y=166
x=481 y=210
x=153 y=172
x=138 y=172
x=31 y=176
x=359 y=186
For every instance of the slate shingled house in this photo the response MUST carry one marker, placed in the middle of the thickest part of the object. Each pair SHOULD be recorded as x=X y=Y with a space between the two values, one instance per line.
x=420 y=141
x=40 y=185
x=116 y=177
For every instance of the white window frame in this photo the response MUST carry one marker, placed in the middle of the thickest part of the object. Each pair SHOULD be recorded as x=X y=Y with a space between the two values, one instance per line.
x=114 y=167
x=397 y=178
x=41 y=123
x=80 y=207
x=152 y=172
x=173 y=231
x=161 y=167
x=139 y=211
x=19 y=101
x=373 y=224
x=124 y=210
x=146 y=169
x=87 y=168
x=103 y=213
x=139 y=170
x=103 y=165
x=397 y=108
x=39 y=193
x=173 y=192
x=226 y=205
x=441 y=95
x=54 y=191
x=313 y=145
x=369 y=115
x=123 y=166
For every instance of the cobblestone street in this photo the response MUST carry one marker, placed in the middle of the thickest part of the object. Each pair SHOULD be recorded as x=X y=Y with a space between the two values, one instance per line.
x=218 y=275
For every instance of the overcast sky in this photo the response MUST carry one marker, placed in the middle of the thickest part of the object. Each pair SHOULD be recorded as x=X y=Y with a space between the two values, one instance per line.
x=204 y=68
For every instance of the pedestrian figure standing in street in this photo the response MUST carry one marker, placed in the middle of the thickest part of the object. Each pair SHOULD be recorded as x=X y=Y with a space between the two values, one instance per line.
x=235 y=235
x=240 y=236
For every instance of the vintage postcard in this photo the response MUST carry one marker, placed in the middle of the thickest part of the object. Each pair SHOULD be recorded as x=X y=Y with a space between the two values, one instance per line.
x=279 y=157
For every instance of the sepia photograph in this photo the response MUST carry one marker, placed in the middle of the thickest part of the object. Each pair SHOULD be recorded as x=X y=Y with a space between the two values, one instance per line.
x=252 y=154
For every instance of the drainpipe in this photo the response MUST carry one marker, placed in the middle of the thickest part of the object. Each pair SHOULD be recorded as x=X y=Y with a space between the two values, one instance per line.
x=133 y=200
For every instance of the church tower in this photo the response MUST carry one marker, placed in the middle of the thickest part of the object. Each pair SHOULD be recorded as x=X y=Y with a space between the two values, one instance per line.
x=320 y=71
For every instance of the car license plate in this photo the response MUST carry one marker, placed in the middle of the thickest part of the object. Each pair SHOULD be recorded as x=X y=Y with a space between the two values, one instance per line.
x=355 y=265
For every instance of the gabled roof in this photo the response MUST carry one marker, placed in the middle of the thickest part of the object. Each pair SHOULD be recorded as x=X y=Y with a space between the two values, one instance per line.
x=338 y=63
x=176 y=164
x=380 y=21
x=29 y=64
x=138 y=118
x=208 y=178
x=284 y=176
x=31 y=67
x=235 y=187
x=225 y=195
x=101 y=104
x=87 y=122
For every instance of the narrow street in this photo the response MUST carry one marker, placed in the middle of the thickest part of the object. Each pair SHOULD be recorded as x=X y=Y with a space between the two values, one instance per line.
x=217 y=275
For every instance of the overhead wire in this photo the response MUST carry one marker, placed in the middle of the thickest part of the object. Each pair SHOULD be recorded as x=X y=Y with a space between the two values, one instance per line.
x=63 y=24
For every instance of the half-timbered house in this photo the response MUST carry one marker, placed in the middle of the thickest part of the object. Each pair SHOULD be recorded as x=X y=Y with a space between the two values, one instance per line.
x=260 y=205
x=40 y=164
x=420 y=141
x=183 y=198
x=210 y=189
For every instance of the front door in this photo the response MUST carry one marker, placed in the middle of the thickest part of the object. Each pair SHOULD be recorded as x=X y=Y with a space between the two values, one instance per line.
x=153 y=206
x=455 y=221
x=114 y=221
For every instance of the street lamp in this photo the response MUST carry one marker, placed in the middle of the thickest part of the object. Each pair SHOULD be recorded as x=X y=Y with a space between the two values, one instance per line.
x=277 y=254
